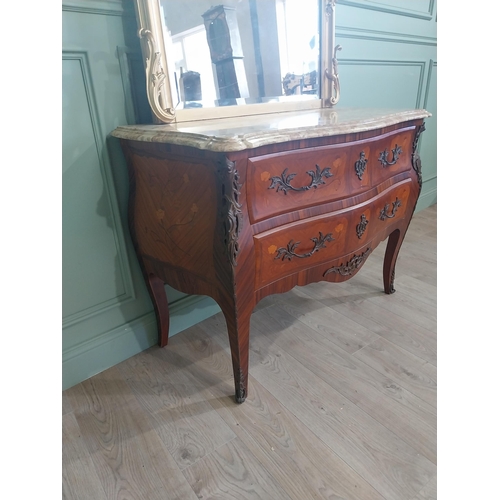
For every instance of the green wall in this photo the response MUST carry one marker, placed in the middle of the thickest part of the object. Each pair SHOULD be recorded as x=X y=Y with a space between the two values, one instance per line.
x=388 y=59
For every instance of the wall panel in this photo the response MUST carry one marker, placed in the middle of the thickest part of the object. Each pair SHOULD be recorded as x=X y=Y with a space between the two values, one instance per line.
x=107 y=313
x=366 y=83
x=388 y=59
x=94 y=255
x=420 y=9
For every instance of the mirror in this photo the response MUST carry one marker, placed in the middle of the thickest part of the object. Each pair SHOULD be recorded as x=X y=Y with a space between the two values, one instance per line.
x=237 y=58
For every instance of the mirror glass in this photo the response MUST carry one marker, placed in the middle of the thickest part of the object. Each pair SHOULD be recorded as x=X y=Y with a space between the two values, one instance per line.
x=242 y=51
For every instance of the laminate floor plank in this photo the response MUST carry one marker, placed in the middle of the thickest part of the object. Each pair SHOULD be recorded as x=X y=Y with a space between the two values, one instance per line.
x=130 y=459
x=65 y=404
x=380 y=396
x=232 y=472
x=420 y=227
x=412 y=310
x=184 y=420
x=425 y=220
x=108 y=387
x=346 y=333
x=356 y=288
x=425 y=273
x=79 y=477
x=416 y=289
x=419 y=241
x=349 y=374
x=269 y=301
x=360 y=288
x=416 y=268
x=408 y=267
x=359 y=307
x=418 y=264
x=371 y=449
x=428 y=492
x=408 y=370
x=301 y=463
x=349 y=291
x=398 y=330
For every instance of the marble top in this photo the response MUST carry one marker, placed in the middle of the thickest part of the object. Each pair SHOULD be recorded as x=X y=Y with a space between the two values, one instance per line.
x=246 y=132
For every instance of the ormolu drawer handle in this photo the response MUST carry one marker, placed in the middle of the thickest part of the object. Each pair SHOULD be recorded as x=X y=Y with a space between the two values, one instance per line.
x=361 y=227
x=283 y=183
x=360 y=165
x=384 y=155
x=289 y=251
x=349 y=267
x=384 y=213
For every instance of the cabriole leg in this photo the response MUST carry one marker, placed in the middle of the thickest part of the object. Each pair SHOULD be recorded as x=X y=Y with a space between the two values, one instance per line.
x=391 y=255
x=156 y=288
x=238 y=329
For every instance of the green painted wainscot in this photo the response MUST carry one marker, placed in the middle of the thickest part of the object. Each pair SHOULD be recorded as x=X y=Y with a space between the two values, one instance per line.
x=388 y=59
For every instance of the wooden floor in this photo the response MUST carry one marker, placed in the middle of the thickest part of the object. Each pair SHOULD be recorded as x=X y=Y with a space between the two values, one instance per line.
x=341 y=403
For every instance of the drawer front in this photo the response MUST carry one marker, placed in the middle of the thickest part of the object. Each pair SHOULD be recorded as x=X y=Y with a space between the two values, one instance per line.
x=291 y=248
x=284 y=182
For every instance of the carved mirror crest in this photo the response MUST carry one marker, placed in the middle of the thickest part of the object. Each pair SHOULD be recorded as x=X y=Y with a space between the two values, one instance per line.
x=238 y=58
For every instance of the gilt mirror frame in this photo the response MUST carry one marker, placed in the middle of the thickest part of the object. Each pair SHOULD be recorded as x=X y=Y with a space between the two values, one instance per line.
x=155 y=45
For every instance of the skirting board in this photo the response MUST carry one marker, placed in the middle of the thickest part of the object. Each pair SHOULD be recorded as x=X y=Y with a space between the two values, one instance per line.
x=113 y=347
x=427 y=199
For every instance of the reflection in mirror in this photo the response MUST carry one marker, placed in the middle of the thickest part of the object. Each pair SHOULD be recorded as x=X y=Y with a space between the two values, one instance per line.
x=241 y=52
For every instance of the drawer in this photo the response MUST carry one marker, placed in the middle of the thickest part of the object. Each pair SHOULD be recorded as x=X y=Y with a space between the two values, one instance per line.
x=288 y=249
x=284 y=182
